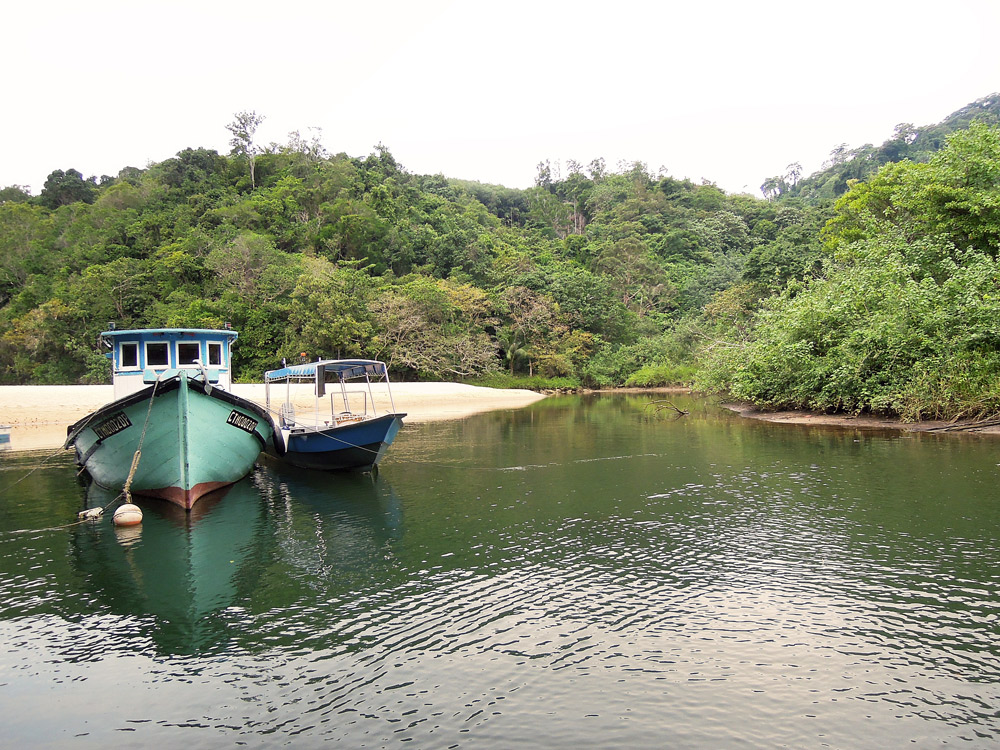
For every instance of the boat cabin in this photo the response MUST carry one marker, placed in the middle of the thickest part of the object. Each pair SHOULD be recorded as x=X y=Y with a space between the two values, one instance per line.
x=139 y=357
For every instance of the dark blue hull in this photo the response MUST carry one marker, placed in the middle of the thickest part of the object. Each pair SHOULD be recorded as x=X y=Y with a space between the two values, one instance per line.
x=357 y=446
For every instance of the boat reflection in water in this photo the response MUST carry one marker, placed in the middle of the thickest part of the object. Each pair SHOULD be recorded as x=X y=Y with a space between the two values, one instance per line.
x=217 y=577
x=332 y=526
x=180 y=568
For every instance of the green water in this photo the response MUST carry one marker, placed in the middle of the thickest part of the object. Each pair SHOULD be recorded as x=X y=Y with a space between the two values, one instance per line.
x=585 y=572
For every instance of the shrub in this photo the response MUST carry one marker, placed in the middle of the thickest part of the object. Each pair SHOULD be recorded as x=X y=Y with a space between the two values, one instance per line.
x=653 y=376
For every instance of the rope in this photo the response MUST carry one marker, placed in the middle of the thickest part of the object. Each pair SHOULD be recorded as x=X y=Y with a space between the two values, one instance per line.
x=84 y=516
x=131 y=474
x=320 y=431
x=48 y=458
x=138 y=451
x=447 y=465
x=345 y=442
x=92 y=514
x=14 y=484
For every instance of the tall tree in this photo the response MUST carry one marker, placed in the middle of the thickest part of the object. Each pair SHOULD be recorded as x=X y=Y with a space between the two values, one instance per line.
x=244 y=128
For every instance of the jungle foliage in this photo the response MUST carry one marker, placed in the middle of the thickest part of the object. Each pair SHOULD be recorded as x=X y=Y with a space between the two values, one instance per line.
x=869 y=286
x=580 y=277
x=902 y=317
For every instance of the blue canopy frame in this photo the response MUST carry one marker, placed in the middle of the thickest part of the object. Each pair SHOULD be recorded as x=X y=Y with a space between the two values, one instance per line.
x=325 y=371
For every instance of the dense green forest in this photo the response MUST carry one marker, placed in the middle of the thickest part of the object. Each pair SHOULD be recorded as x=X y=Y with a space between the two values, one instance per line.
x=871 y=285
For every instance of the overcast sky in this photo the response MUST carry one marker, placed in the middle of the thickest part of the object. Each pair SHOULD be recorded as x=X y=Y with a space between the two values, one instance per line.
x=731 y=91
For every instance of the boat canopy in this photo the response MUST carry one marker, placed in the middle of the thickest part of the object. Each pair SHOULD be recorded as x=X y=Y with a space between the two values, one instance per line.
x=340 y=369
x=327 y=371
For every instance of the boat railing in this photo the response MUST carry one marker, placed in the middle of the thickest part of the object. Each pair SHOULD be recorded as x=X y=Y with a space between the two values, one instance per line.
x=368 y=396
x=345 y=407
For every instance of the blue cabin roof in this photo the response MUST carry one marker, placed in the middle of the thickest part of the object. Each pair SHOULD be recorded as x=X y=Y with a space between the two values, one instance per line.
x=172 y=332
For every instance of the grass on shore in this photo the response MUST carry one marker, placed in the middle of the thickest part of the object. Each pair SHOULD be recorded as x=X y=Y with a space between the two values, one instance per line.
x=530 y=383
x=654 y=376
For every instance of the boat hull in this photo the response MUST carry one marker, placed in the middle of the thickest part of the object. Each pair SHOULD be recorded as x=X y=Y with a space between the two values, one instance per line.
x=357 y=446
x=194 y=440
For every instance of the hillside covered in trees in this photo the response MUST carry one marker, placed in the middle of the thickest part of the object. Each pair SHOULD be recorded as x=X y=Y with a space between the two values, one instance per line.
x=870 y=286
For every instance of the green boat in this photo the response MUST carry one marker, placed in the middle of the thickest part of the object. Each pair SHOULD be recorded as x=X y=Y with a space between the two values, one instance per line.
x=174 y=431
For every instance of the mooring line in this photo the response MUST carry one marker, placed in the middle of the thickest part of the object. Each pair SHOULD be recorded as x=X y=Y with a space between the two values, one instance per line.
x=138 y=451
x=90 y=514
x=14 y=484
x=47 y=458
x=85 y=516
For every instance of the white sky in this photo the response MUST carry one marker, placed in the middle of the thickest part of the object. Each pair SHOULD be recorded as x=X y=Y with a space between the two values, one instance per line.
x=731 y=91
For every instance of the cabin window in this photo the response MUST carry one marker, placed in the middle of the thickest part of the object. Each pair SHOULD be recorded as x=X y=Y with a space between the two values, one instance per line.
x=129 y=355
x=214 y=354
x=157 y=354
x=187 y=353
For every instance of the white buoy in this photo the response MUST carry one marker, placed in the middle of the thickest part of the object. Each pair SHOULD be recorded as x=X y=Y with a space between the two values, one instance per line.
x=127 y=515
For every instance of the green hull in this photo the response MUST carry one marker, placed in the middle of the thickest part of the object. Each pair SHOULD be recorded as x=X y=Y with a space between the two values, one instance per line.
x=194 y=439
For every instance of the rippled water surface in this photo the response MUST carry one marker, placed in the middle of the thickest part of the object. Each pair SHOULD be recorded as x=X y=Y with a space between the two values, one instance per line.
x=586 y=572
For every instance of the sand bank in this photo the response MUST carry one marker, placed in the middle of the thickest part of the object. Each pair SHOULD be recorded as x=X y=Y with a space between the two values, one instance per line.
x=860 y=422
x=39 y=414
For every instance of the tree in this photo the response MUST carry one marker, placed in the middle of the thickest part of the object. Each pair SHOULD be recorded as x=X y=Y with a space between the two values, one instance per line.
x=532 y=317
x=548 y=211
x=773 y=187
x=312 y=148
x=793 y=253
x=251 y=267
x=15 y=194
x=62 y=188
x=332 y=309
x=637 y=278
x=793 y=174
x=244 y=128
x=435 y=327
x=191 y=170
x=954 y=198
x=597 y=169
x=25 y=229
x=544 y=177
x=512 y=344
x=119 y=290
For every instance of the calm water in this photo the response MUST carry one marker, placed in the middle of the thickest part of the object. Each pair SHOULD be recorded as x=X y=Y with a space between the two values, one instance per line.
x=586 y=572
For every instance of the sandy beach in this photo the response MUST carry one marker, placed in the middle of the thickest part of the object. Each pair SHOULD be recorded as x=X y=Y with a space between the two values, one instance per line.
x=39 y=414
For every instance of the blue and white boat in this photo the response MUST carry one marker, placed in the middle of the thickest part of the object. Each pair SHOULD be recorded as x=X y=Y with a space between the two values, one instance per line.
x=174 y=430
x=351 y=429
